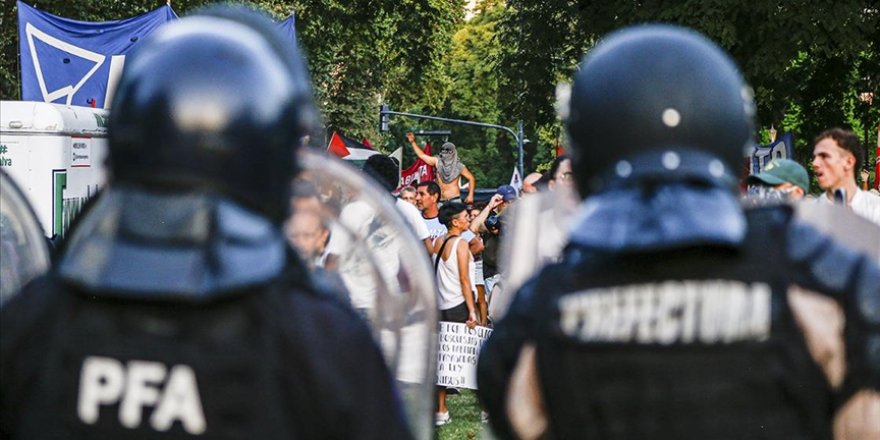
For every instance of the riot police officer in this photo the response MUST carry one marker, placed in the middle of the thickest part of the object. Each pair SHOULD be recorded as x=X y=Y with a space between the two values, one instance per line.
x=672 y=313
x=176 y=309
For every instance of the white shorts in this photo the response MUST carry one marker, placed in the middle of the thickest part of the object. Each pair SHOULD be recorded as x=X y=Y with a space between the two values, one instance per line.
x=478 y=273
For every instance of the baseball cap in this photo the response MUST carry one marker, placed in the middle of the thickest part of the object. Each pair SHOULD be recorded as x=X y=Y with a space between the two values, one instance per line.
x=780 y=171
x=507 y=192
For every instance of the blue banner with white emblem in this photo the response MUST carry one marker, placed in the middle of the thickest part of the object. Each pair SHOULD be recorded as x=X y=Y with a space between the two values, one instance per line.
x=77 y=62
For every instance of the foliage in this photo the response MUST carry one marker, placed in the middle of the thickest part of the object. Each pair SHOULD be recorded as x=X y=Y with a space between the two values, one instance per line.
x=358 y=51
x=364 y=50
x=806 y=60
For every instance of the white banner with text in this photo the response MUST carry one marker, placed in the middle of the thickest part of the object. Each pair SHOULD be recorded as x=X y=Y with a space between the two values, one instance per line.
x=457 y=353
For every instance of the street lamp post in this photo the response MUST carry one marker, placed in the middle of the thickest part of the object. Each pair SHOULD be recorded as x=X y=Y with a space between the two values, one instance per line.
x=385 y=112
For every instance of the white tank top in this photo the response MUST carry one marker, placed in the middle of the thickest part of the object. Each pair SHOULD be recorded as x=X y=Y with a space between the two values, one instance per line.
x=448 y=284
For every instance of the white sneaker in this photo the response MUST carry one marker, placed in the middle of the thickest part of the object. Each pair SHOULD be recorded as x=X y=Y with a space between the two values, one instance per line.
x=484 y=417
x=441 y=419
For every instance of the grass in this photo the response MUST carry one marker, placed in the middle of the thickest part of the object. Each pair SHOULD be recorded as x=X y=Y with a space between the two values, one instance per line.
x=465 y=412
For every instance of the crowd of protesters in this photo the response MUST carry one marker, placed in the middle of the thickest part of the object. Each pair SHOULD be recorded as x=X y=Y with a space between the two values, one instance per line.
x=466 y=238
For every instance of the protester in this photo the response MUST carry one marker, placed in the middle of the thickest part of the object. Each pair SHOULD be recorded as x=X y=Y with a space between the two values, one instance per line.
x=560 y=173
x=427 y=196
x=384 y=171
x=508 y=195
x=176 y=310
x=492 y=230
x=476 y=247
x=837 y=155
x=531 y=183
x=668 y=315
x=306 y=229
x=478 y=218
x=408 y=194
x=449 y=171
x=454 y=265
x=782 y=179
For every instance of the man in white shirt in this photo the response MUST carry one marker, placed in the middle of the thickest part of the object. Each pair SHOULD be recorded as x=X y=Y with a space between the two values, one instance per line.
x=837 y=155
x=427 y=197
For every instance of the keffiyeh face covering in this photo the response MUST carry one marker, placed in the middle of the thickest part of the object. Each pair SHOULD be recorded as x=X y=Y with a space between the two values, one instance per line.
x=450 y=166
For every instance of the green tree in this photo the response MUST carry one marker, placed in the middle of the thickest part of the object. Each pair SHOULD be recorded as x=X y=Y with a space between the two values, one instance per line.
x=358 y=51
x=806 y=60
x=473 y=95
x=364 y=51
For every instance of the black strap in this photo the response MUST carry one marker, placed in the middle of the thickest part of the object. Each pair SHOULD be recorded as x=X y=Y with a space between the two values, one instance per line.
x=440 y=253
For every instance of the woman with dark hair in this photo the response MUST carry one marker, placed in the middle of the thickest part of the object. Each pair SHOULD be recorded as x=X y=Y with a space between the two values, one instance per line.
x=454 y=265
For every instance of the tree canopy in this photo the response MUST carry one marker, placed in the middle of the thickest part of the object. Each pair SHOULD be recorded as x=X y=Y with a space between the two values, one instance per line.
x=807 y=61
x=502 y=61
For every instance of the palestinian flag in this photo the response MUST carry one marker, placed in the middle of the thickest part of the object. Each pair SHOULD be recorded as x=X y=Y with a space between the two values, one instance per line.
x=349 y=149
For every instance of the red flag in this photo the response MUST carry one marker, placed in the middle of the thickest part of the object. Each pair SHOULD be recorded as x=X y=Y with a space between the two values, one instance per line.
x=337 y=146
x=367 y=143
x=419 y=171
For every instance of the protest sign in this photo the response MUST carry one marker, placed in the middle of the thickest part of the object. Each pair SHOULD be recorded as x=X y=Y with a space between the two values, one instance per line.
x=457 y=353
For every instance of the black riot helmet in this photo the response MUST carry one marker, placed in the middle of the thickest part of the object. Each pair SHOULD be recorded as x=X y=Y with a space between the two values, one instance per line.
x=213 y=102
x=202 y=149
x=658 y=102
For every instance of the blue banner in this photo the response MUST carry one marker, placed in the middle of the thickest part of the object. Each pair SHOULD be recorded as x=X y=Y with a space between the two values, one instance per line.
x=73 y=62
x=288 y=27
x=782 y=148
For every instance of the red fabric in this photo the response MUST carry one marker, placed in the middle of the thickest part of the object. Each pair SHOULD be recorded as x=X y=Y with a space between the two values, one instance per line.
x=419 y=171
x=560 y=150
x=337 y=146
x=367 y=143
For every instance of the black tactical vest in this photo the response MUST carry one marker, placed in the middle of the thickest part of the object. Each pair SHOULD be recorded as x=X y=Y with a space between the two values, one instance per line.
x=696 y=343
x=114 y=369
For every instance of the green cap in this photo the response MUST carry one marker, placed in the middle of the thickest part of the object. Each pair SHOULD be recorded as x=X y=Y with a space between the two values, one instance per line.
x=780 y=171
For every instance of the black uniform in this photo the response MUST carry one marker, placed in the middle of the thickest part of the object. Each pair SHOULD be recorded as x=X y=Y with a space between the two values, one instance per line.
x=691 y=343
x=273 y=361
x=175 y=308
x=669 y=314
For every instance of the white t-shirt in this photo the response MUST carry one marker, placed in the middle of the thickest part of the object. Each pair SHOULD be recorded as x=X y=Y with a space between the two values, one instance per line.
x=361 y=244
x=866 y=205
x=414 y=217
x=863 y=203
x=435 y=228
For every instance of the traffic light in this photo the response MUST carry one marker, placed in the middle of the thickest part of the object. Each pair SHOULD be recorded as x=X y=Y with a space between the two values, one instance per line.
x=383 y=117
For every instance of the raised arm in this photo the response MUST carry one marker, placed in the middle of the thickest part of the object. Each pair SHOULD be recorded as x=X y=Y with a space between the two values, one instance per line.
x=477 y=225
x=430 y=160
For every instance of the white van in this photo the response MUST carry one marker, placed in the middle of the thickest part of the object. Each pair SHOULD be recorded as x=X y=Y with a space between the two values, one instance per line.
x=55 y=153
